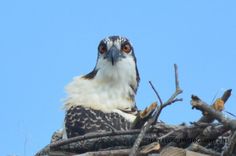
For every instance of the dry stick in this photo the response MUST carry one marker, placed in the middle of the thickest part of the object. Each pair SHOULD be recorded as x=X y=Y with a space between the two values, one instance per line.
x=208 y=118
x=230 y=113
x=226 y=95
x=158 y=96
x=200 y=105
x=170 y=133
x=148 y=124
x=176 y=78
x=212 y=132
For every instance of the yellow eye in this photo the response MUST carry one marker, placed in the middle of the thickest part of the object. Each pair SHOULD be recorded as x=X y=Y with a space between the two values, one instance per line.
x=126 y=47
x=102 y=48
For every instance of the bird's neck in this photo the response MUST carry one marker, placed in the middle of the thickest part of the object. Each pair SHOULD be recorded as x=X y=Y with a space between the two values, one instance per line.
x=112 y=88
x=106 y=92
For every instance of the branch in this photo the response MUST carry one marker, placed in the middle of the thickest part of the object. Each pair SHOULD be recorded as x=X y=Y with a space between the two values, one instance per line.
x=176 y=78
x=173 y=98
x=224 y=98
x=200 y=105
x=152 y=120
x=158 y=96
x=226 y=95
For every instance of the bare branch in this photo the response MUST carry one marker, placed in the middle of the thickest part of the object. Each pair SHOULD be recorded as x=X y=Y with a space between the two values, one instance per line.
x=230 y=113
x=152 y=120
x=200 y=105
x=224 y=98
x=158 y=96
x=176 y=77
x=226 y=95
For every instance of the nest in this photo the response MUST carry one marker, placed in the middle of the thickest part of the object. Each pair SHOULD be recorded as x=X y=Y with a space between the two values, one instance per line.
x=213 y=134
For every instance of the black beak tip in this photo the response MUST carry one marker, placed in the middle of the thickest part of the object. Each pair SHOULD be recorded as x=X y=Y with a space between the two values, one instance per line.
x=112 y=61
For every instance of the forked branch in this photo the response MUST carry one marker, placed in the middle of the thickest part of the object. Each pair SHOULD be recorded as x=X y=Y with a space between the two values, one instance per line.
x=157 y=113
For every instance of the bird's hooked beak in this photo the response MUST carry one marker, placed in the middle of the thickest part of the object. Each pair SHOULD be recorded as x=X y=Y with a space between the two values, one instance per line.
x=113 y=55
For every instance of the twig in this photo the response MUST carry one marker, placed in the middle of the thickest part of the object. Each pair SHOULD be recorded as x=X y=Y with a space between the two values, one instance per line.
x=230 y=113
x=170 y=133
x=204 y=124
x=154 y=89
x=140 y=136
x=152 y=120
x=226 y=95
x=173 y=98
x=176 y=77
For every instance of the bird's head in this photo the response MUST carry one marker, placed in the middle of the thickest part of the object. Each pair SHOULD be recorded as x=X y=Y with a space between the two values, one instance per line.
x=116 y=61
x=114 y=49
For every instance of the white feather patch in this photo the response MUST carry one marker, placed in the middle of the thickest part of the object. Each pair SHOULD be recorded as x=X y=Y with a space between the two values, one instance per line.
x=108 y=91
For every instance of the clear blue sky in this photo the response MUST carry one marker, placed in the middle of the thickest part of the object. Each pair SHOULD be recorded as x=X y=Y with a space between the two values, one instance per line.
x=43 y=44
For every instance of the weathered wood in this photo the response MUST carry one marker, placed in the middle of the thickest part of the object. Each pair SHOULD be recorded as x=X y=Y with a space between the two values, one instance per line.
x=209 y=118
x=201 y=149
x=200 y=105
x=173 y=151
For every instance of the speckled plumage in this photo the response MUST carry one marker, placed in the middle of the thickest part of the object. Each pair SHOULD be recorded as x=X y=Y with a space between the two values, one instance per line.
x=80 y=120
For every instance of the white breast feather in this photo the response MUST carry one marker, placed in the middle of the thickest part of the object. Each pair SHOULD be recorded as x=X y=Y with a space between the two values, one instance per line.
x=109 y=91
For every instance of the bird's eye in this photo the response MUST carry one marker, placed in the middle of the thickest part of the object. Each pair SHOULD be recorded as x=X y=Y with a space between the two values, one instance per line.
x=126 y=47
x=102 y=48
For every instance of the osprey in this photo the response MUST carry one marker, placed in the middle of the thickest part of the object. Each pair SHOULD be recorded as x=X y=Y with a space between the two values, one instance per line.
x=104 y=99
